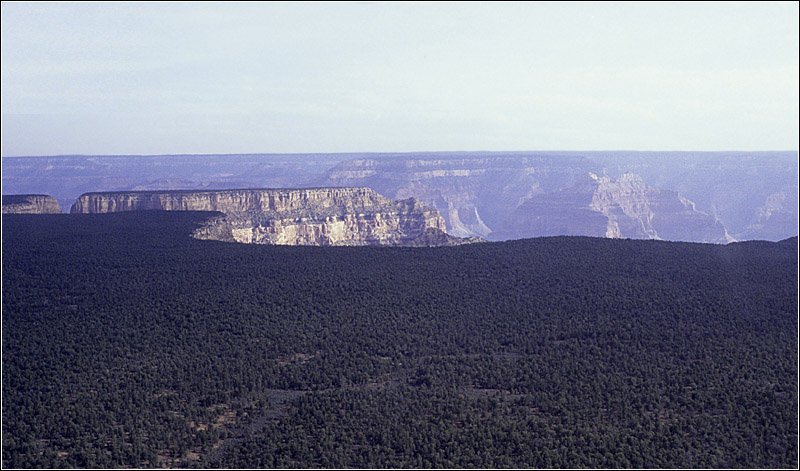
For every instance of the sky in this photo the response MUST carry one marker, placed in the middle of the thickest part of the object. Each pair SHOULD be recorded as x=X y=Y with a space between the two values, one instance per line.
x=158 y=78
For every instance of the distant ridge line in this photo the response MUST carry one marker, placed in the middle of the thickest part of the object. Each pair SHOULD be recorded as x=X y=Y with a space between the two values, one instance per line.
x=420 y=152
x=227 y=190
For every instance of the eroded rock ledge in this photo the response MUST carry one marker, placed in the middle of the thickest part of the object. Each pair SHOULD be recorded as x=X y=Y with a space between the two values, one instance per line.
x=30 y=204
x=310 y=216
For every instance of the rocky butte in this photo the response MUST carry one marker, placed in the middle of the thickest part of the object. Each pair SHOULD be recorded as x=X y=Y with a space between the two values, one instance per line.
x=30 y=204
x=308 y=216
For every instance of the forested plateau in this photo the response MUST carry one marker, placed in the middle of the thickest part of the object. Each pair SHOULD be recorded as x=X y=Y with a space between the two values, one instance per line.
x=127 y=343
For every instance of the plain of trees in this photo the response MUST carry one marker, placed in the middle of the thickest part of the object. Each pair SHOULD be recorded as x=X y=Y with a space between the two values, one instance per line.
x=127 y=343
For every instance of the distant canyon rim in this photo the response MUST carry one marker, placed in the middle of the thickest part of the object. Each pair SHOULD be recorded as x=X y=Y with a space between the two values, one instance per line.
x=713 y=197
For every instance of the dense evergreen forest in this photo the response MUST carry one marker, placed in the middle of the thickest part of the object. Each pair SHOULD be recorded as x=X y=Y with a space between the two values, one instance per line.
x=127 y=343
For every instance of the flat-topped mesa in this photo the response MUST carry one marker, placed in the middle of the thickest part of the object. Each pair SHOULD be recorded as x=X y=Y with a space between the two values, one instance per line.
x=30 y=204
x=229 y=201
x=309 y=216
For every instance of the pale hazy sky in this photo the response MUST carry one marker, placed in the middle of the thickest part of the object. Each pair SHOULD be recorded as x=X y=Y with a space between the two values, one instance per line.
x=223 y=78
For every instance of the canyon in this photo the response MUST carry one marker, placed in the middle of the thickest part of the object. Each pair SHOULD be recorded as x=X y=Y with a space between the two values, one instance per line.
x=626 y=207
x=529 y=196
x=688 y=196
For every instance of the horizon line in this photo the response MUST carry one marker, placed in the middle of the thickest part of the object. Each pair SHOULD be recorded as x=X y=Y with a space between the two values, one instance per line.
x=405 y=152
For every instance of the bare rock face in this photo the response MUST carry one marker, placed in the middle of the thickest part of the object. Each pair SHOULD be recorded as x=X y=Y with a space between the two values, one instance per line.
x=753 y=194
x=30 y=204
x=230 y=201
x=512 y=197
x=314 y=216
x=775 y=218
x=475 y=193
x=627 y=207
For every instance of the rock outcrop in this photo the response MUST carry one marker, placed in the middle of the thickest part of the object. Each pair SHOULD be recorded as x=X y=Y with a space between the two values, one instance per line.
x=775 y=218
x=30 y=204
x=753 y=194
x=475 y=193
x=519 y=196
x=312 y=216
x=627 y=207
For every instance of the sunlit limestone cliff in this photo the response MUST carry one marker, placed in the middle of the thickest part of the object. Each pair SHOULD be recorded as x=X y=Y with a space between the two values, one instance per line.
x=30 y=204
x=312 y=216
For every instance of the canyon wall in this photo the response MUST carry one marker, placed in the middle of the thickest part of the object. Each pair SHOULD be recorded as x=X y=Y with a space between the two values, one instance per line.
x=30 y=204
x=625 y=207
x=309 y=216
x=505 y=198
x=475 y=194
x=752 y=195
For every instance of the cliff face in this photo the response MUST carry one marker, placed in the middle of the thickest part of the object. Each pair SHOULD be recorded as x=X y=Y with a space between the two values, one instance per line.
x=232 y=201
x=627 y=207
x=478 y=193
x=383 y=223
x=776 y=218
x=475 y=194
x=523 y=196
x=316 y=216
x=30 y=204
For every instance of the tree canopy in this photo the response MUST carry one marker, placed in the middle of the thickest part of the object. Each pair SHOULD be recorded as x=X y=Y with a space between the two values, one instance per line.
x=127 y=343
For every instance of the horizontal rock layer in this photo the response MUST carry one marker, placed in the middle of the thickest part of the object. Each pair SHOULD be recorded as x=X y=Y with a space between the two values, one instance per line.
x=753 y=194
x=232 y=201
x=30 y=204
x=475 y=194
x=516 y=197
x=313 y=216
